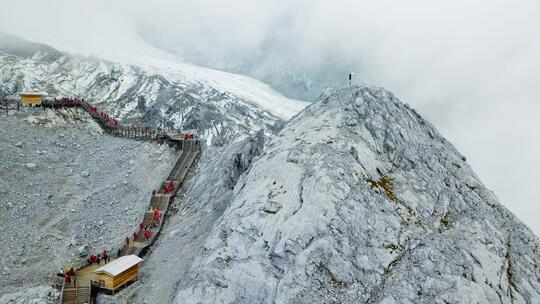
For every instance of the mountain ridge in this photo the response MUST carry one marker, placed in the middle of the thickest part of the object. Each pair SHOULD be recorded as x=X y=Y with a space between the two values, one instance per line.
x=356 y=199
x=219 y=106
x=360 y=200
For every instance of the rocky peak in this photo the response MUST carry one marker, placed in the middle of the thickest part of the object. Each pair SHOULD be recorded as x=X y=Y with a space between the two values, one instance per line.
x=360 y=200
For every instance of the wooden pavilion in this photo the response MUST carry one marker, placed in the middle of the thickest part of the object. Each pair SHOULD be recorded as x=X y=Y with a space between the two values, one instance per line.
x=32 y=99
x=118 y=273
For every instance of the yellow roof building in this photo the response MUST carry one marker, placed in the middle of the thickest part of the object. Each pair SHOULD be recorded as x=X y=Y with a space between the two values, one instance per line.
x=119 y=272
x=32 y=98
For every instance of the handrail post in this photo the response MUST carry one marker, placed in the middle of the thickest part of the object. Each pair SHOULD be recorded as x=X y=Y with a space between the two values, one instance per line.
x=62 y=291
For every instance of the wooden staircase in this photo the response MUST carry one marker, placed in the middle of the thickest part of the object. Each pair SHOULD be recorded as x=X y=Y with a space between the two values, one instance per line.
x=190 y=149
x=77 y=295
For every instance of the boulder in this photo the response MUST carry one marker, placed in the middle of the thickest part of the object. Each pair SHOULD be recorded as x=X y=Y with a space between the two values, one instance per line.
x=82 y=251
x=31 y=166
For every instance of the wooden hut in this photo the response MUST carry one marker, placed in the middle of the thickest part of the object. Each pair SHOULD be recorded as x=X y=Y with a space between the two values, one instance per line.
x=119 y=272
x=32 y=99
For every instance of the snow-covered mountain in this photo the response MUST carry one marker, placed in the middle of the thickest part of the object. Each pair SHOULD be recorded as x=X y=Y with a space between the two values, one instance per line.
x=360 y=200
x=218 y=105
x=356 y=200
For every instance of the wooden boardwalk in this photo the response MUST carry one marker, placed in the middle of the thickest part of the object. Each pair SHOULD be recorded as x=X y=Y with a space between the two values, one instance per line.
x=87 y=282
x=111 y=125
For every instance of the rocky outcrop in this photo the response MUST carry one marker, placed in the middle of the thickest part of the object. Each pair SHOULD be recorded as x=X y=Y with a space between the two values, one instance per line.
x=360 y=200
x=208 y=193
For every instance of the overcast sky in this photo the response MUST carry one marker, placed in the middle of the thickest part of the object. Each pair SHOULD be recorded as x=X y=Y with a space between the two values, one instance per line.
x=471 y=67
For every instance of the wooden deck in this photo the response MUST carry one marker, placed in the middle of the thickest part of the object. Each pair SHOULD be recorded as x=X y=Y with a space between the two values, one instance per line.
x=86 y=274
x=79 y=291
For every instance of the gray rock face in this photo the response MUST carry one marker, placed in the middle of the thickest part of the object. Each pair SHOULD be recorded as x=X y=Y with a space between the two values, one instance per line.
x=360 y=200
x=208 y=193
x=34 y=295
x=82 y=251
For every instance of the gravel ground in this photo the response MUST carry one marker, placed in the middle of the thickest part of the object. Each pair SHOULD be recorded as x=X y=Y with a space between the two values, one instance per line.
x=65 y=184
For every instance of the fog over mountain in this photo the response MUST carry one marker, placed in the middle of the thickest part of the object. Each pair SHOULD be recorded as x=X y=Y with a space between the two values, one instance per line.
x=413 y=184
x=471 y=67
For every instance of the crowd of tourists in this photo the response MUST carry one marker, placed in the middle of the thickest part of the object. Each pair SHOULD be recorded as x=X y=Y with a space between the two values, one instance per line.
x=100 y=257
